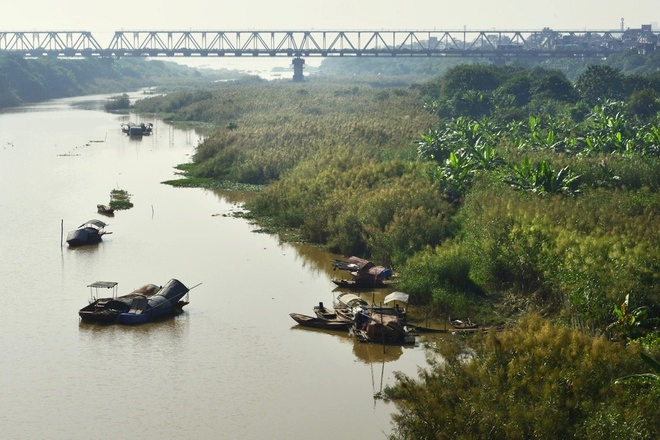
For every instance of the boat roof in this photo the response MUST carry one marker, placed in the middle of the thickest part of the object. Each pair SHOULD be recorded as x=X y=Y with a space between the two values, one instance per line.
x=349 y=299
x=360 y=267
x=103 y=284
x=95 y=222
x=396 y=296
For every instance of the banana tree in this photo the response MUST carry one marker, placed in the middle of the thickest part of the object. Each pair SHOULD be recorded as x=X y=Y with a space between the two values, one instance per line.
x=433 y=145
x=457 y=173
x=541 y=178
x=483 y=156
x=629 y=323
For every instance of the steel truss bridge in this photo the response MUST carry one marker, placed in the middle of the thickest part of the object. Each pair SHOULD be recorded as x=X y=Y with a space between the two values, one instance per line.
x=496 y=45
x=326 y=43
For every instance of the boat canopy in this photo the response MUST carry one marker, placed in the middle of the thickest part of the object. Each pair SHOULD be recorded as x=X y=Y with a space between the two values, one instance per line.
x=360 y=267
x=95 y=286
x=380 y=271
x=396 y=296
x=351 y=299
x=103 y=284
x=94 y=222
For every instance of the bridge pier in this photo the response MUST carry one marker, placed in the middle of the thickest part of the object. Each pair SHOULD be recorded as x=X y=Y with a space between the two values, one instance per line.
x=298 y=64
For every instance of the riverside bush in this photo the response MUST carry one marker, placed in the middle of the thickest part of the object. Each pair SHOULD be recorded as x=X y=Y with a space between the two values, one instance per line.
x=536 y=380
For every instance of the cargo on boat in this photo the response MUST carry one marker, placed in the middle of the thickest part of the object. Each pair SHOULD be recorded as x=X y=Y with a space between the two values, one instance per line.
x=147 y=303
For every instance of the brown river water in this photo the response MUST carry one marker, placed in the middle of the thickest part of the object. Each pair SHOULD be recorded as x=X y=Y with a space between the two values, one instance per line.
x=233 y=366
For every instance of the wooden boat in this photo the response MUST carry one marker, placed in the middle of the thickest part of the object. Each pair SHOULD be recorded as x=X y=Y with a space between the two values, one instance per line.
x=106 y=310
x=322 y=323
x=381 y=325
x=414 y=328
x=361 y=283
x=347 y=304
x=457 y=323
x=168 y=301
x=147 y=303
x=364 y=274
x=323 y=313
x=105 y=210
x=371 y=323
x=137 y=130
x=89 y=232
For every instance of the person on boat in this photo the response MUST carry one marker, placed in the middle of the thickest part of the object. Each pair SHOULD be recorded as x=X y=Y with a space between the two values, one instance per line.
x=361 y=319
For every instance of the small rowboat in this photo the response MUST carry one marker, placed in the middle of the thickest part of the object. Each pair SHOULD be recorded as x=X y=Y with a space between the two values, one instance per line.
x=322 y=323
x=457 y=323
x=105 y=210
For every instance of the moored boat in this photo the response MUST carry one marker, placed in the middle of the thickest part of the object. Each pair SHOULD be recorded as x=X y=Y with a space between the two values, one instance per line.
x=321 y=323
x=458 y=323
x=105 y=310
x=364 y=274
x=147 y=303
x=137 y=130
x=324 y=313
x=89 y=232
x=372 y=323
x=105 y=210
x=381 y=325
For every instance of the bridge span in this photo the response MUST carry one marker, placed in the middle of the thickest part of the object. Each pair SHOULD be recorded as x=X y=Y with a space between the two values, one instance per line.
x=498 y=45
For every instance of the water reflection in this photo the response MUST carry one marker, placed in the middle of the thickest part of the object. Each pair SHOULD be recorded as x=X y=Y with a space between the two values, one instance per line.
x=364 y=352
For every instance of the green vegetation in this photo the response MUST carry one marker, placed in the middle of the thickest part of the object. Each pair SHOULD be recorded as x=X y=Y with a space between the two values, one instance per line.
x=539 y=380
x=120 y=199
x=513 y=196
x=121 y=102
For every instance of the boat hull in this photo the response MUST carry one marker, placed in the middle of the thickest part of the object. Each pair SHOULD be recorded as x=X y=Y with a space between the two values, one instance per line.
x=82 y=237
x=320 y=323
x=89 y=232
x=102 y=316
x=361 y=283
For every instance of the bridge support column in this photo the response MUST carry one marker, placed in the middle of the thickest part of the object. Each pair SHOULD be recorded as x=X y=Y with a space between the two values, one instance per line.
x=298 y=64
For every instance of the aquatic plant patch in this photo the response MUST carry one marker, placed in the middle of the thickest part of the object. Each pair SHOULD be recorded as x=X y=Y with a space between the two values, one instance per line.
x=120 y=199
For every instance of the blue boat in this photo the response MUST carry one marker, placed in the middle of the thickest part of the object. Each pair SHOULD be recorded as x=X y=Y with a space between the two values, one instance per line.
x=168 y=301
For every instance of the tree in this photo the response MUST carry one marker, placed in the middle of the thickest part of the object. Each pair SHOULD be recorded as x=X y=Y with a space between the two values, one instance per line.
x=520 y=87
x=553 y=85
x=600 y=83
x=121 y=102
x=466 y=77
x=644 y=103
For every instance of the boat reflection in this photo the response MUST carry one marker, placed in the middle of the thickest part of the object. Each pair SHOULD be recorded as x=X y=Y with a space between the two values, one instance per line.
x=364 y=352
x=376 y=353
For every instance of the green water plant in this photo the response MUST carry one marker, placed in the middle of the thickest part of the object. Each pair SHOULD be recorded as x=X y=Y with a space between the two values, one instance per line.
x=120 y=199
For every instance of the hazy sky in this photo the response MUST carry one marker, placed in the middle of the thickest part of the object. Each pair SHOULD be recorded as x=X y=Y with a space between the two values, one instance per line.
x=100 y=17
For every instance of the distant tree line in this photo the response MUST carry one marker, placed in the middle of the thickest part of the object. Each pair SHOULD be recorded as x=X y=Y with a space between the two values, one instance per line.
x=507 y=93
x=629 y=62
x=33 y=80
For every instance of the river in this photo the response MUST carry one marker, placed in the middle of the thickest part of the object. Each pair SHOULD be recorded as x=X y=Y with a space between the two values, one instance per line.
x=233 y=366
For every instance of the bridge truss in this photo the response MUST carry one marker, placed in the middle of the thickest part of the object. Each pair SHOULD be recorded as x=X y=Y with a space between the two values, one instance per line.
x=325 y=43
